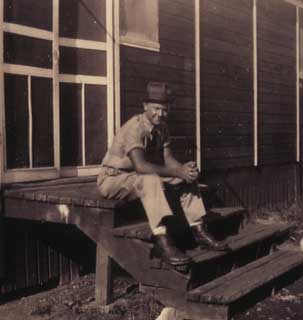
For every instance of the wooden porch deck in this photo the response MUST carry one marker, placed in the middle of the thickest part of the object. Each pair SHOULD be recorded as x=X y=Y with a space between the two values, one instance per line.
x=120 y=232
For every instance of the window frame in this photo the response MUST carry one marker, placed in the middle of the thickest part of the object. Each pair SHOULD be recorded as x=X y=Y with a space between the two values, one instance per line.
x=137 y=42
x=41 y=173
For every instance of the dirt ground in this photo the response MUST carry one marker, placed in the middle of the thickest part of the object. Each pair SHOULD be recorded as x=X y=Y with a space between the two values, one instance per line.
x=76 y=301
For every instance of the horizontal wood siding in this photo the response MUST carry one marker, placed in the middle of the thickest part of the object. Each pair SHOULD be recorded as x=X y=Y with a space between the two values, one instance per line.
x=274 y=189
x=226 y=83
x=276 y=38
x=174 y=64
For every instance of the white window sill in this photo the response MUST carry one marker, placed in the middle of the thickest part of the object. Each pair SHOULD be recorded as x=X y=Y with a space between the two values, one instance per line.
x=140 y=43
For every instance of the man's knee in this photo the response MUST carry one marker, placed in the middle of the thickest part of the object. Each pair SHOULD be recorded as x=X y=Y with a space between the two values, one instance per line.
x=148 y=182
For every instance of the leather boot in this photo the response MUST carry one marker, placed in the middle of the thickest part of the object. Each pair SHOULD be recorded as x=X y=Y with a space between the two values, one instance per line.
x=165 y=249
x=205 y=240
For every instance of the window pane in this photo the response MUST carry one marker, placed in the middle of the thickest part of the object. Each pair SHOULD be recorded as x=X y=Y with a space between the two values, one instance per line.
x=42 y=110
x=16 y=121
x=32 y=13
x=95 y=123
x=139 y=20
x=27 y=51
x=84 y=19
x=82 y=61
x=70 y=124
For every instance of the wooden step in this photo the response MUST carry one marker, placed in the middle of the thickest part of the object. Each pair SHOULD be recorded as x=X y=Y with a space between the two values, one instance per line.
x=142 y=230
x=248 y=236
x=207 y=263
x=233 y=286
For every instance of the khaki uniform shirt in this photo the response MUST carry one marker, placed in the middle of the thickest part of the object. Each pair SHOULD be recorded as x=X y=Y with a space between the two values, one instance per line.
x=138 y=132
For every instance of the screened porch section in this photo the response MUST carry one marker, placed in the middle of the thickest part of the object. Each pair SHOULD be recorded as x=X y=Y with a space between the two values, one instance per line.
x=57 y=84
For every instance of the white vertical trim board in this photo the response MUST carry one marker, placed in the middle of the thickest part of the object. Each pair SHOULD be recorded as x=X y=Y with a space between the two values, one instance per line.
x=2 y=107
x=110 y=71
x=30 y=120
x=56 y=89
x=117 y=64
x=255 y=68
x=83 y=123
x=198 y=89
x=298 y=84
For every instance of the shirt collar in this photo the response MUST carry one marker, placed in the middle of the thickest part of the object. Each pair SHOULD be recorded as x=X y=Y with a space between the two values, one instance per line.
x=148 y=126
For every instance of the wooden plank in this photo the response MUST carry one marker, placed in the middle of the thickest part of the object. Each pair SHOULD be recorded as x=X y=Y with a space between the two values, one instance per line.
x=104 y=285
x=66 y=194
x=135 y=257
x=104 y=280
x=64 y=269
x=19 y=250
x=43 y=274
x=254 y=275
x=228 y=212
x=248 y=236
x=31 y=260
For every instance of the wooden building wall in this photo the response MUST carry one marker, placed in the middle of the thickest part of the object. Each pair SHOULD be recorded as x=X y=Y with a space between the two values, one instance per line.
x=226 y=83
x=174 y=64
x=276 y=82
x=227 y=102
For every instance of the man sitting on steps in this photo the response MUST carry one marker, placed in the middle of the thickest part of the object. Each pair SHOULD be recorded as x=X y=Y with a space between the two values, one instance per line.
x=140 y=164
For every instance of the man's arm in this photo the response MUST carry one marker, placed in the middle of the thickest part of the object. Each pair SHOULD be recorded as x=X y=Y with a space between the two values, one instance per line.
x=190 y=167
x=170 y=169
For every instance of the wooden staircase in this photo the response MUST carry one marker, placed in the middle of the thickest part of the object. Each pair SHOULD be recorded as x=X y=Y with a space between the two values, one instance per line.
x=217 y=284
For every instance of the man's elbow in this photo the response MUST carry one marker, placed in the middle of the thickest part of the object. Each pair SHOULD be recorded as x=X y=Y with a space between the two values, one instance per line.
x=140 y=168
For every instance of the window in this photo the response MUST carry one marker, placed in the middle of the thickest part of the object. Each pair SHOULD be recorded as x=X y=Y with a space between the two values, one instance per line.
x=58 y=88
x=139 y=23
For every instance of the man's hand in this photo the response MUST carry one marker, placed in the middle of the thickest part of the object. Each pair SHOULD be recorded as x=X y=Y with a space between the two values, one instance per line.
x=189 y=172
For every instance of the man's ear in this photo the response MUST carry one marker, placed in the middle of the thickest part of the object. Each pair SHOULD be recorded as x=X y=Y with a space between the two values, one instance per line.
x=144 y=106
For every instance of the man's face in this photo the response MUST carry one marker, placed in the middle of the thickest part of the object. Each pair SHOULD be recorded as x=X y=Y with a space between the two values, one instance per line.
x=156 y=112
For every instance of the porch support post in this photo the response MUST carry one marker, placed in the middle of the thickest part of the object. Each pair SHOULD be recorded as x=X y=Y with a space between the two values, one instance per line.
x=104 y=285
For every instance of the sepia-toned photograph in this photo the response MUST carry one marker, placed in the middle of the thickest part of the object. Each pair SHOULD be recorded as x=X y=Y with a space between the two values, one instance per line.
x=151 y=159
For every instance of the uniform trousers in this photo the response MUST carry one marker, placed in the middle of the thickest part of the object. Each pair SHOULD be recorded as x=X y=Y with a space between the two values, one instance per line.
x=150 y=189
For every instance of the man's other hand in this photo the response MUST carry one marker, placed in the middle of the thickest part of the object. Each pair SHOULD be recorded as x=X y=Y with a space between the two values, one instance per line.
x=190 y=172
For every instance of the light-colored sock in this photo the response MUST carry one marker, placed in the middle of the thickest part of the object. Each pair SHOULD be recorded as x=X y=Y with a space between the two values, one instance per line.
x=158 y=231
x=196 y=223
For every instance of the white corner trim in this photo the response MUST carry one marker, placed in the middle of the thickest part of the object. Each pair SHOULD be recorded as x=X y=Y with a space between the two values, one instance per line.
x=298 y=85
x=255 y=85
x=117 y=85
x=198 y=83
x=56 y=88
x=83 y=123
x=30 y=120
x=110 y=71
